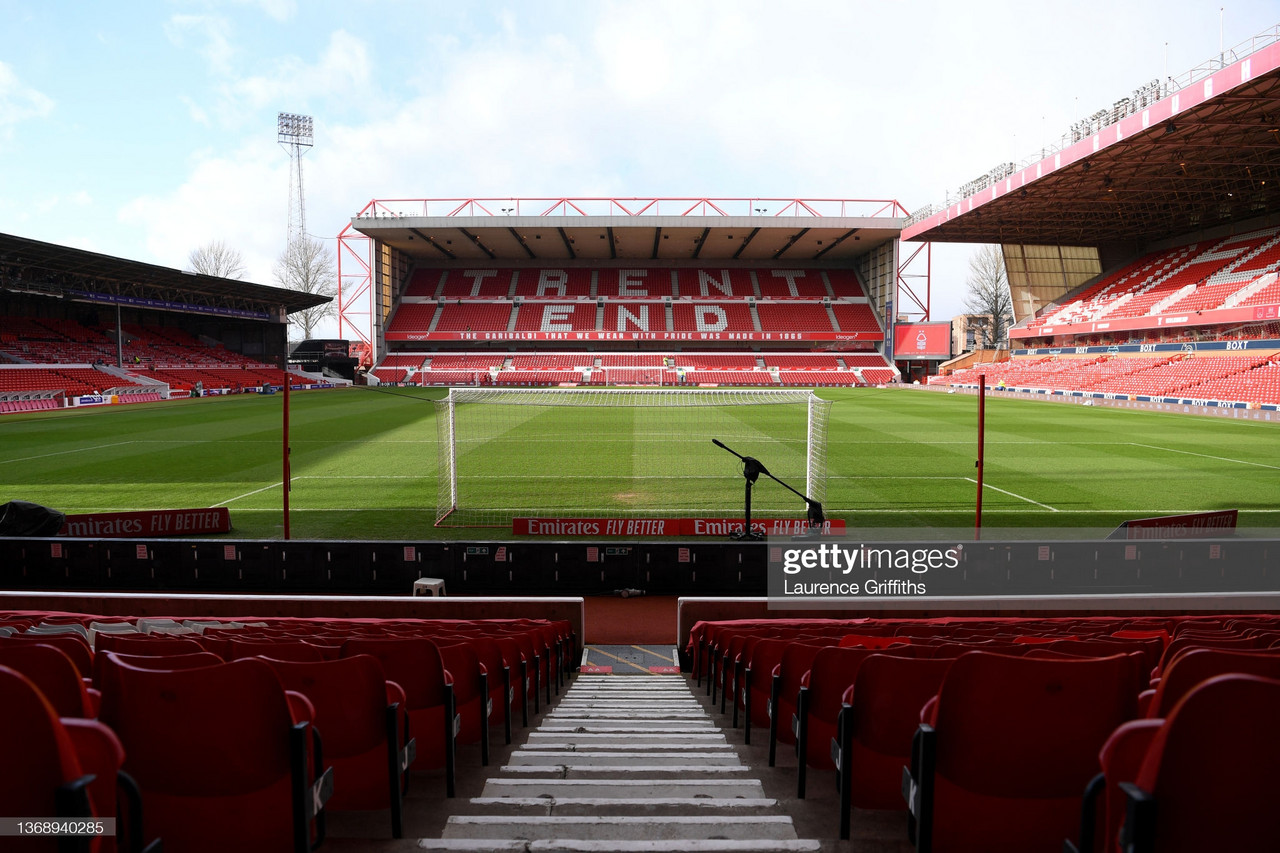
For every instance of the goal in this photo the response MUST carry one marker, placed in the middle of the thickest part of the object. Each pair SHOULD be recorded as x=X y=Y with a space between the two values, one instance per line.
x=573 y=453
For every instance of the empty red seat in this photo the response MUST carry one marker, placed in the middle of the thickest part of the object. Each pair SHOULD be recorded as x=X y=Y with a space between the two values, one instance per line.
x=879 y=716
x=53 y=767
x=219 y=758
x=1208 y=781
x=358 y=715
x=415 y=664
x=1011 y=743
x=55 y=675
x=146 y=644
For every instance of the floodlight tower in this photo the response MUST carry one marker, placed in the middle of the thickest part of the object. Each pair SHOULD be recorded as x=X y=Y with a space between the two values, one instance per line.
x=296 y=134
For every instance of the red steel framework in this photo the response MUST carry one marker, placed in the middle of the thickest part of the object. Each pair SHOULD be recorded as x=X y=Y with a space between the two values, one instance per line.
x=355 y=265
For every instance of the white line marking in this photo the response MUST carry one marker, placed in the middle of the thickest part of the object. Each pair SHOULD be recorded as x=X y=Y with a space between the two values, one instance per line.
x=64 y=452
x=254 y=492
x=1012 y=495
x=1206 y=456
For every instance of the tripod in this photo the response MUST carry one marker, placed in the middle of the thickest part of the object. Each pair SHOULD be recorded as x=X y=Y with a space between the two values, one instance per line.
x=752 y=468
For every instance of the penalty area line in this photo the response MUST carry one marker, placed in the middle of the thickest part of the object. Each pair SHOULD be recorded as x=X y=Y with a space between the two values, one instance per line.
x=65 y=452
x=250 y=494
x=1205 y=455
x=1012 y=495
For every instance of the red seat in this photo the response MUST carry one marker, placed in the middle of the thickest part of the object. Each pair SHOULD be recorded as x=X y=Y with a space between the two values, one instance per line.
x=358 y=715
x=146 y=644
x=104 y=665
x=415 y=664
x=818 y=705
x=879 y=716
x=757 y=679
x=55 y=675
x=1122 y=754
x=53 y=768
x=1208 y=781
x=498 y=674
x=518 y=675
x=1010 y=746
x=291 y=650
x=73 y=645
x=785 y=689
x=219 y=758
x=470 y=692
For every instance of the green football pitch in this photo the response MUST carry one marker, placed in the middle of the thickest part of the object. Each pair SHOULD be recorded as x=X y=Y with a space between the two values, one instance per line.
x=364 y=463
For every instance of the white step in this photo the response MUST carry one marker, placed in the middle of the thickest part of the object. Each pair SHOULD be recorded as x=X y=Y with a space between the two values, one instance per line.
x=584 y=726
x=621 y=742
x=622 y=827
x=651 y=757
x=572 y=845
x=623 y=788
x=623 y=806
x=625 y=771
x=614 y=737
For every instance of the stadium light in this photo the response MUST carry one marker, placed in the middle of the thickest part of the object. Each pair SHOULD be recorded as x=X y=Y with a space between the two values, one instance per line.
x=294 y=129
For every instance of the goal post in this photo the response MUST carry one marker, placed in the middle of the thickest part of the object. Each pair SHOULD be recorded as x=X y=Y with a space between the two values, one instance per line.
x=571 y=452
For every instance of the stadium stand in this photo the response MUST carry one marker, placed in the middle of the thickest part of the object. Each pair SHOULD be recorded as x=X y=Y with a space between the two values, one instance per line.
x=794 y=284
x=413 y=317
x=703 y=318
x=793 y=317
x=714 y=284
x=475 y=284
x=474 y=317
x=555 y=317
x=855 y=317
x=634 y=317
x=553 y=283
x=634 y=283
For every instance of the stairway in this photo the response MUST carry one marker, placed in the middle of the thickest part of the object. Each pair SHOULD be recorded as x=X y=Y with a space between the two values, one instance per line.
x=624 y=763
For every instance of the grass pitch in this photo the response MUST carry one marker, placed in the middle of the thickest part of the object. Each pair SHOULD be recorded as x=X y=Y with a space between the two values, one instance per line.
x=364 y=464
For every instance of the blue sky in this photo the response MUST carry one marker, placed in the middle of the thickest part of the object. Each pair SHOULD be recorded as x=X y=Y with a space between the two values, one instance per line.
x=146 y=129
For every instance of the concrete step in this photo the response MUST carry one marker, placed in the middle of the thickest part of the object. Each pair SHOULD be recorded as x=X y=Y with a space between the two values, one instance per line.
x=650 y=758
x=626 y=771
x=623 y=788
x=622 y=827
x=623 y=765
x=570 y=845
x=682 y=738
x=691 y=725
x=619 y=745
x=647 y=712
x=621 y=806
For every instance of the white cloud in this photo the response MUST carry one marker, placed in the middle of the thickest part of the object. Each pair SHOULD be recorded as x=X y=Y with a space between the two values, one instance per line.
x=240 y=199
x=19 y=102
x=209 y=33
x=342 y=71
x=280 y=10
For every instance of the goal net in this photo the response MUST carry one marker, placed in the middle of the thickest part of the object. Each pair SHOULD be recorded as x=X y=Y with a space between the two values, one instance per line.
x=509 y=453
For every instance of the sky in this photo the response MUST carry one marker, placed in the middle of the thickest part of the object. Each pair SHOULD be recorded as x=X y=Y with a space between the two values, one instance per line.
x=146 y=129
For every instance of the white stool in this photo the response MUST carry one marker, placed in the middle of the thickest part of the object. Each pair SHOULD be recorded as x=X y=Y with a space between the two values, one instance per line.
x=428 y=586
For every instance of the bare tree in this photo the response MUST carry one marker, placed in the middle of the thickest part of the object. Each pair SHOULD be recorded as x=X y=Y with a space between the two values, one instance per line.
x=987 y=292
x=306 y=266
x=217 y=258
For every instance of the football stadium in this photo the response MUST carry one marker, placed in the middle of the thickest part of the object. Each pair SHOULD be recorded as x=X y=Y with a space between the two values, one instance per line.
x=623 y=524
